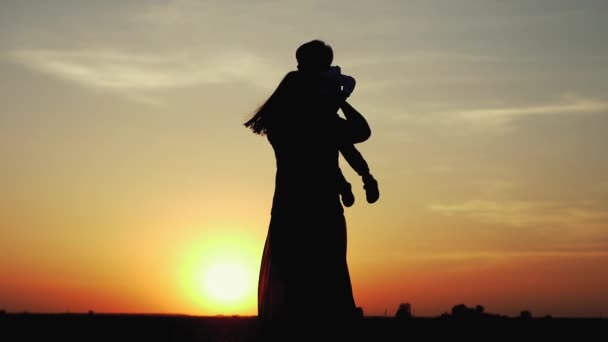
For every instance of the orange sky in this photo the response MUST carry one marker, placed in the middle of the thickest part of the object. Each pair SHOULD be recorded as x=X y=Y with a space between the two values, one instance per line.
x=129 y=183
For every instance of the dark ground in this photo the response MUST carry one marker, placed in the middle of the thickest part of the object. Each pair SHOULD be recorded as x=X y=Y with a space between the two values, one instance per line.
x=110 y=327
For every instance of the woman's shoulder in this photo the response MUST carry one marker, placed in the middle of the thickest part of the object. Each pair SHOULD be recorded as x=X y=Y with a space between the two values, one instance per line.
x=292 y=76
x=302 y=77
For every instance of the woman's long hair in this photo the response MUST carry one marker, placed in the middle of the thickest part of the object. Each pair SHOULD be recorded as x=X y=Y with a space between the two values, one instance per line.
x=266 y=115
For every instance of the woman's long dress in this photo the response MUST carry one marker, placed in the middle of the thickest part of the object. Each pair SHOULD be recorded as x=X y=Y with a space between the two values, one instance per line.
x=304 y=270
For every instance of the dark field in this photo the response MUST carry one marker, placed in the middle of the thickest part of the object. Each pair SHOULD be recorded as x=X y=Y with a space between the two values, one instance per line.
x=110 y=327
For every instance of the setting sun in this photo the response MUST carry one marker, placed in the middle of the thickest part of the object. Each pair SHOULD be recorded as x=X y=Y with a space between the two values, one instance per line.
x=226 y=282
x=219 y=274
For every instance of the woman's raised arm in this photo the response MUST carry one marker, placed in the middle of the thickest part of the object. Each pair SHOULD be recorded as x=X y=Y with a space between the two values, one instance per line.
x=355 y=128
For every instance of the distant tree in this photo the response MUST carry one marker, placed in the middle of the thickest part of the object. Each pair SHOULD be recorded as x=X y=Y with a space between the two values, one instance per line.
x=525 y=315
x=463 y=311
x=404 y=311
x=460 y=310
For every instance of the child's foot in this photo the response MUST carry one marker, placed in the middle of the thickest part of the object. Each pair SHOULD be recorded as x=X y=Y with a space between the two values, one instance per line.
x=371 y=188
x=348 y=199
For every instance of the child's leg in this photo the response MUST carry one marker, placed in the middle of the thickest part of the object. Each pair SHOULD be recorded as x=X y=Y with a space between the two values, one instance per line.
x=354 y=158
x=348 y=199
x=358 y=163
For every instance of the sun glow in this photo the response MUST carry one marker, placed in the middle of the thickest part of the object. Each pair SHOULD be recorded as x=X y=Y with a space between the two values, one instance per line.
x=219 y=276
x=226 y=282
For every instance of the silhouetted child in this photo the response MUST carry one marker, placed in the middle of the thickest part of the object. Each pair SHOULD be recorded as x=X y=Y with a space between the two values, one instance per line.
x=337 y=84
x=316 y=57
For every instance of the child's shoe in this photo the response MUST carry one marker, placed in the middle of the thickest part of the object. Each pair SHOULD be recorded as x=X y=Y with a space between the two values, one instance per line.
x=372 y=193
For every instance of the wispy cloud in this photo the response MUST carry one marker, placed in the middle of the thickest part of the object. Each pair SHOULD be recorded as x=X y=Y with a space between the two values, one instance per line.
x=134 y=74
x=441 y=169
x=422 y=56
x=570 y=104
x=472 y=260
x=524 y=213
x=497 y=254
x=501 y=118
x=494 y=186
x=601 y=187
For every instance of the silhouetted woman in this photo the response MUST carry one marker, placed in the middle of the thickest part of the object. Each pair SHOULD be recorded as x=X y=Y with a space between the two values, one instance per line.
x=304 y=271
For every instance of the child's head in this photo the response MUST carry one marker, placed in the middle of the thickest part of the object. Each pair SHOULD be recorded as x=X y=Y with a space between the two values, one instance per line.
x=314 y=56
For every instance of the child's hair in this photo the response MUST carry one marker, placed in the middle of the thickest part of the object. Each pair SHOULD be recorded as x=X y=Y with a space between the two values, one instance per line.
x=315 y=55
